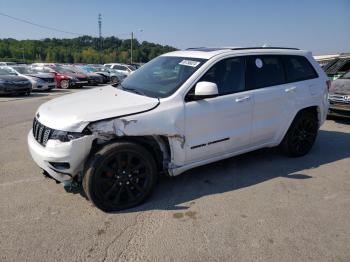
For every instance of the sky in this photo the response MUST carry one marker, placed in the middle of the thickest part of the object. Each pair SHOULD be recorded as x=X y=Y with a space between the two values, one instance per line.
x=320 y=26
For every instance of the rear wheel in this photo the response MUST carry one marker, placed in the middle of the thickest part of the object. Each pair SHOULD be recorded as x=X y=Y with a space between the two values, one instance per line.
x=119 y=176
x=64 y=84
x=301 y=135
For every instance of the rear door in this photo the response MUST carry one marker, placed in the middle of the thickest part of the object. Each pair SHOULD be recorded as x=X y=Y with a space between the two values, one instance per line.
x=272 y=103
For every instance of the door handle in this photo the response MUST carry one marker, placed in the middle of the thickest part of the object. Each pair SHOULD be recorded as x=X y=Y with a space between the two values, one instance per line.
x=290 y=89
x=242 y=99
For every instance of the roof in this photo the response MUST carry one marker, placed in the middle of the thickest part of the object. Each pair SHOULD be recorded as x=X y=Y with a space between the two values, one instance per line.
x=209 y=52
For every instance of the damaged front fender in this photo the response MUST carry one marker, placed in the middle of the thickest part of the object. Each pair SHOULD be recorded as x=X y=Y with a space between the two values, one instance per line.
x=147 y=125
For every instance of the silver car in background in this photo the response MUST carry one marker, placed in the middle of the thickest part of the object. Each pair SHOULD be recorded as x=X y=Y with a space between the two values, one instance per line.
x=39 y=81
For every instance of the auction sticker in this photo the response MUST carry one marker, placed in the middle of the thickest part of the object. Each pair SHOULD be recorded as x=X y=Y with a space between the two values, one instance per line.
x=258 y=63
x=189 y=63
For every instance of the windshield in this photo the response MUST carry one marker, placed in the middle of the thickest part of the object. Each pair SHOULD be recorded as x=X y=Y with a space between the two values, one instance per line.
x=24 y=70
x=162 y=76
x=7 y=71
x=346 y=75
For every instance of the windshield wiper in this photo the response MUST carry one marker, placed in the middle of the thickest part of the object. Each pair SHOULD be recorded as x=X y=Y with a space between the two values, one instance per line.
x=133 y=90
x=136 y=91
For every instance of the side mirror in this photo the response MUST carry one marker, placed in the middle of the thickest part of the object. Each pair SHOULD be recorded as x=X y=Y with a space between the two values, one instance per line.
x=204 y=90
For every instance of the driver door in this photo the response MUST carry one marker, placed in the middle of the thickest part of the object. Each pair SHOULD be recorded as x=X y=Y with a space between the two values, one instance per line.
x=222 y=124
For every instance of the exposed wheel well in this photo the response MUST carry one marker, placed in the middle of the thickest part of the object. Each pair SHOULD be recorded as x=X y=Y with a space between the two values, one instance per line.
x=312 y=109
x=158 y=146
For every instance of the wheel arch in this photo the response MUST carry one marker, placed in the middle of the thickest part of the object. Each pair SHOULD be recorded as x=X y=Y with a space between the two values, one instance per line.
x=158 y=146
x=315 y=110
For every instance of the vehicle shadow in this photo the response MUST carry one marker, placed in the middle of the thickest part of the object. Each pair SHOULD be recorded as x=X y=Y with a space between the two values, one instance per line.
x=174 y=193
x=339 y=119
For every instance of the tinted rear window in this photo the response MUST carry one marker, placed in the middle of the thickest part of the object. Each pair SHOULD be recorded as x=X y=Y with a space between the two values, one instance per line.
x=298 y=68
x=264 y=71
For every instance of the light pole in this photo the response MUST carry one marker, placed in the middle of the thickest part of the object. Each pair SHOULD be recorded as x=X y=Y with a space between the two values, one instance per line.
x=22 y=48
x=132 y=40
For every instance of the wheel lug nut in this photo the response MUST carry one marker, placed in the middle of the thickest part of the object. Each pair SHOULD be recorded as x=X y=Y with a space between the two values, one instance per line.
x=129 y=175
x=127 y=182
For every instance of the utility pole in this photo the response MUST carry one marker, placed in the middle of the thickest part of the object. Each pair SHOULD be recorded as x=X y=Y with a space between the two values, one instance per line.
x=132 y=39
x=22 y=54
x=131 y=47
x=100 y=34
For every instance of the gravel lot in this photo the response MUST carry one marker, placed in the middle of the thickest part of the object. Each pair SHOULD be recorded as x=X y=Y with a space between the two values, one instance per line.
x=260 y=206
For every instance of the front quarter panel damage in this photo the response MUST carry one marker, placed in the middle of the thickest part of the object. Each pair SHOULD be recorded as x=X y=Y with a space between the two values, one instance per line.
x=167 y=123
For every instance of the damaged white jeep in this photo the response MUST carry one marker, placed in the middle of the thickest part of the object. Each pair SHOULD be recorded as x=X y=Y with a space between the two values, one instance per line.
x=181 y=110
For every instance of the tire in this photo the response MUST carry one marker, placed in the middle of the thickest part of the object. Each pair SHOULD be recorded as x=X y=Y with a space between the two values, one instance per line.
x=119 y=176
x=64 y=84
x=301 y=135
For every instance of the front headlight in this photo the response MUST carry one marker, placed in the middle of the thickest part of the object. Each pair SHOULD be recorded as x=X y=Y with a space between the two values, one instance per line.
x=64 y=136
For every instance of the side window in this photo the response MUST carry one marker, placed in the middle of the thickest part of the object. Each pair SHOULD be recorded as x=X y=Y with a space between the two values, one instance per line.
x=298 y=68
x=264 y=71
x=228 y=75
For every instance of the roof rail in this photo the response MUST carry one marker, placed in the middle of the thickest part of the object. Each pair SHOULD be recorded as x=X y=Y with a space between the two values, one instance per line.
x=195 y=48
x=265 y=47
x=209 y=49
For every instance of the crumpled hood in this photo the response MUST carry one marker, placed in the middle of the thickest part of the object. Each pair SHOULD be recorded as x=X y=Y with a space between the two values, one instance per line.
x=74 y=112
x=340 y=86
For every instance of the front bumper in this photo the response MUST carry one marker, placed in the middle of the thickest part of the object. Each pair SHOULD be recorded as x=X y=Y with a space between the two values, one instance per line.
x=44 y=86
x=15 y=90
x=339 y=109
x=73 y=152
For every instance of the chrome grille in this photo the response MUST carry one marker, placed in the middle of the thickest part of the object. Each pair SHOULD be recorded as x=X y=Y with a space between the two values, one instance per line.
x=339 y=98
x=41 y=133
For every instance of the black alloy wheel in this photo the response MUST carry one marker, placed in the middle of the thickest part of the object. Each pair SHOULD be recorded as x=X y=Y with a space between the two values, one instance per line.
x=301 y=135
x=120 y=176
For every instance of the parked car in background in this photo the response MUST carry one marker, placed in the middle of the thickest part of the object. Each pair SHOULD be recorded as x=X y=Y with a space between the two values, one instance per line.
x=12 y=83
x=64 y=77
x=181 y=110
x=94 y=69
x=122 y=68
x=110 y=75
x=115 y=75
x=93 y=78
x=339 y=96
x=7 y=63
x=40 y=81
x=135 y=65
x=338 y=66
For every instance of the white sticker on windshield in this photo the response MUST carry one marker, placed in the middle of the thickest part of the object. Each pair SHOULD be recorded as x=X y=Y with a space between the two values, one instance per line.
x=258 y=63
x=189 y=63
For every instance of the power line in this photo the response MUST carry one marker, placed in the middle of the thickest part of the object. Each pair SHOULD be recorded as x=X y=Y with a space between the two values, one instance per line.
x=38 y=25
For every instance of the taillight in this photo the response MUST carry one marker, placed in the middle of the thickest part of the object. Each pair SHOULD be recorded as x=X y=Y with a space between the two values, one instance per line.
x=328 y=83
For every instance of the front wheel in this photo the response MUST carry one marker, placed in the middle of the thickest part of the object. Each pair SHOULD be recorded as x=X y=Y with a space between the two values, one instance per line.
x=301 y=135
x=119 y=176
x=114 y=80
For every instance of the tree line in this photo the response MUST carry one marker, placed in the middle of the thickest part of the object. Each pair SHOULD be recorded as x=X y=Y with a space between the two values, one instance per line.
x=84 y=49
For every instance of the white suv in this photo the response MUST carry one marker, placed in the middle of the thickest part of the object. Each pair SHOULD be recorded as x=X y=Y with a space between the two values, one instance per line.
x=121 y=68
x=181 y=110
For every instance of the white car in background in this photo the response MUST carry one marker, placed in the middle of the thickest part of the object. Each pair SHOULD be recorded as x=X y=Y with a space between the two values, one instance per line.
x=122 y=68
x=39 y=81
x=181 y=110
